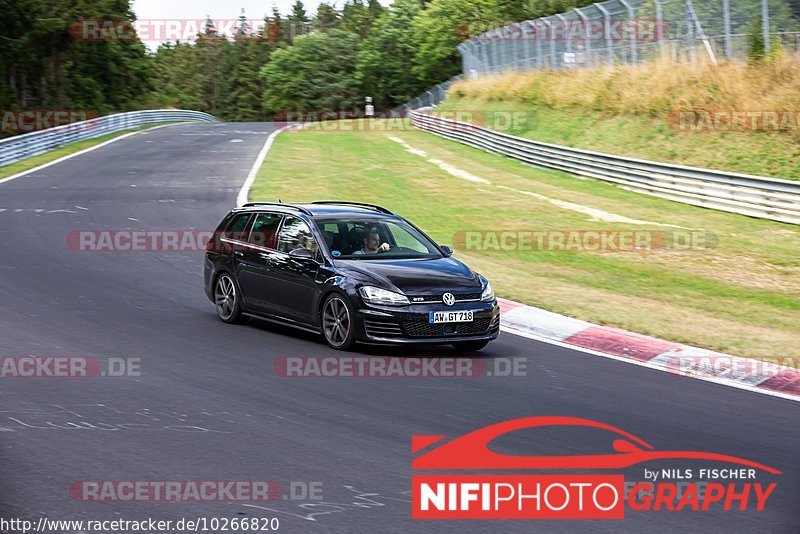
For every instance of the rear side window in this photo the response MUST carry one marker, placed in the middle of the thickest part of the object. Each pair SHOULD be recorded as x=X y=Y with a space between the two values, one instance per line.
x=265 y=230
x=238 y=227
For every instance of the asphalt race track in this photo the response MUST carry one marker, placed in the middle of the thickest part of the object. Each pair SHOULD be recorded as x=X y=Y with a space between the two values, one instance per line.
x=208 y=405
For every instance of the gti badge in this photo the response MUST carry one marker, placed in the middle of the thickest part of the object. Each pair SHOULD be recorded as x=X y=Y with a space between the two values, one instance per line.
x=448 y=299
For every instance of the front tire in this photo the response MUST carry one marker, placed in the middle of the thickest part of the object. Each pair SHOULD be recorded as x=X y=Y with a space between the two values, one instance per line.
x=227 y=300
x=470 y=346
x=337 y=323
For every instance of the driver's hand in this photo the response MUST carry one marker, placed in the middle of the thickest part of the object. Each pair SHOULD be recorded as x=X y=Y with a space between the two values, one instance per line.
x=384 y=247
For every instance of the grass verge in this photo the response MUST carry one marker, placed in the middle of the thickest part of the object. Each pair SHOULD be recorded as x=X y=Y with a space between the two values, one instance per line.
x=635 y=111
x=739 y=292
x=66 y=150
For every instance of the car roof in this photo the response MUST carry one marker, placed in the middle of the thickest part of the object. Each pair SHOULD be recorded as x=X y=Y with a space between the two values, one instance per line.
x=321 y=211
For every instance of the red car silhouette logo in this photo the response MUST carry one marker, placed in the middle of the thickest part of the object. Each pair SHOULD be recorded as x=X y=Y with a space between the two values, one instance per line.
x=471 y=451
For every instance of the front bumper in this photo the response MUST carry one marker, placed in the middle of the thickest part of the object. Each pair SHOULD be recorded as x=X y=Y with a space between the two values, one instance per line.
x=410 y=324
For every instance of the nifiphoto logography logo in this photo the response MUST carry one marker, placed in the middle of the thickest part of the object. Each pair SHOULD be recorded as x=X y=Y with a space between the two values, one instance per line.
x=524 y=487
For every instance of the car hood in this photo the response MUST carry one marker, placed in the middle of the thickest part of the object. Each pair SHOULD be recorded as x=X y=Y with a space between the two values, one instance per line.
x=413 y=276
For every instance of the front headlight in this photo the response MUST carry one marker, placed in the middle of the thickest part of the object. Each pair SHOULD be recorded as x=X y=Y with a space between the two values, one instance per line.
x=383 y=297
x=488 y=293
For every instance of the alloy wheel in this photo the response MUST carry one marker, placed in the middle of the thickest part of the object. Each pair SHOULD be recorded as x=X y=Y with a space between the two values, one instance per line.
x=336 y=322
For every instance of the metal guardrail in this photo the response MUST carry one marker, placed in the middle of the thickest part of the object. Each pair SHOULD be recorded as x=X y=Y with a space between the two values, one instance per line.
x=756 y=196
x=23 y=146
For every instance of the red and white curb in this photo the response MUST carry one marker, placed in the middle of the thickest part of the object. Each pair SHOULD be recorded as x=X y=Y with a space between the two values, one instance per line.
x=770 y=378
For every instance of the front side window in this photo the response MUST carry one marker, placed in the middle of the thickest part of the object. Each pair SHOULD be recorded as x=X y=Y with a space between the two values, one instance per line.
x=296 y=234
x=376 y=239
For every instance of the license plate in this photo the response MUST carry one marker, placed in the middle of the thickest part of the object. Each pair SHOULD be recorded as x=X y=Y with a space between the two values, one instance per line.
x=451 y=317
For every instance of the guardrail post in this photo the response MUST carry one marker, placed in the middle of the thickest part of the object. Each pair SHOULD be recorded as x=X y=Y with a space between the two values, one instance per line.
x=726 y=19
x=587 y=42
x=487 y=59
x=633 y=29
x=474 y=50
x=464 y=61
x=552 y=44
x=566 y=30
x=607 y=31
x=660 y=25
x=539 y=57
x=690 y=41
x=503 y=50
x=526 y=43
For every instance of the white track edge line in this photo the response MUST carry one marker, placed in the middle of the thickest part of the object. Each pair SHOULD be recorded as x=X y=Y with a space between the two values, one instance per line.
x=84 y=151
x=244 y=192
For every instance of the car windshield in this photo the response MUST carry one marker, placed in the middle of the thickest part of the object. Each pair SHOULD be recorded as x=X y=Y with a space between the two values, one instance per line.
x=375 y=239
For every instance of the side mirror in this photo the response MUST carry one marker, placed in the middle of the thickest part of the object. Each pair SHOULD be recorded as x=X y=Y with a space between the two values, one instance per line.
x=447 y=250
x=301 y=253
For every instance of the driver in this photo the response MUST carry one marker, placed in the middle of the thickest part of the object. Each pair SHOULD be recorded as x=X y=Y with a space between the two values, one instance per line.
x=372 y=243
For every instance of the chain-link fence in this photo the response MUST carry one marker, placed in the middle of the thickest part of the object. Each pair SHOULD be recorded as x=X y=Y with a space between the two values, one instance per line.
x=635 y=31
x=433 y=96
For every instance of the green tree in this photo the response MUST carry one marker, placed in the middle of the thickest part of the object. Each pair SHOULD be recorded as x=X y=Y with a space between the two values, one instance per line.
x=356 y=18
x=206 y=56
x=440 y=28
x=275 y=29
x=327 y=18
x=384 y=65
x=46 y=60
x=375 y=8
x=298 y=13
x=316 y=73
x=298 y=20
x=240 y=85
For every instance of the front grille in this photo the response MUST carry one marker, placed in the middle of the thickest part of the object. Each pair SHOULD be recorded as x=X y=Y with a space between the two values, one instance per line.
x=424 y=329
x=459 y=297
x=382 y=329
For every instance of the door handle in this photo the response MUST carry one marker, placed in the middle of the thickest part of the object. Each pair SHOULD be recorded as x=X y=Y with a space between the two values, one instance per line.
x=239 y=253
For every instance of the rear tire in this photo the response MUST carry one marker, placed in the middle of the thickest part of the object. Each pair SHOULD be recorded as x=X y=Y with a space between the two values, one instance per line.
x=337 y=322
x=227 y=300
x=470 y=346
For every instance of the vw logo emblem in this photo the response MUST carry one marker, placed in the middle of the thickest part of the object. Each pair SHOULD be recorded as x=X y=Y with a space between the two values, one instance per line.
x=448 y=299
